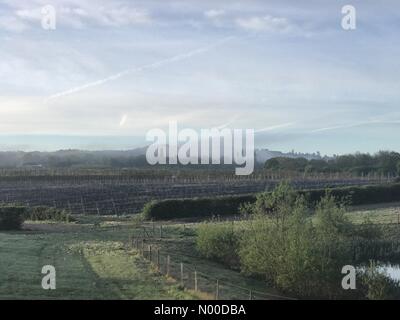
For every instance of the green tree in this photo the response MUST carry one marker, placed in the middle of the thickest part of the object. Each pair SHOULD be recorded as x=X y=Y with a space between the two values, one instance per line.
x=296 y=253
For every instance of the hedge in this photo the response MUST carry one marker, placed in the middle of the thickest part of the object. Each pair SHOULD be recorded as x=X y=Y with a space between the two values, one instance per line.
x=11 y=217
x=196 y=207
x=358 y=195
x=229 y=205
x=43 y=213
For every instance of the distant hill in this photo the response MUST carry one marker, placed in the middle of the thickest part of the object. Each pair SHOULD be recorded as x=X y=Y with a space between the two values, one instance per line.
x=263 y=155
x=70 y=158
x=108 y=158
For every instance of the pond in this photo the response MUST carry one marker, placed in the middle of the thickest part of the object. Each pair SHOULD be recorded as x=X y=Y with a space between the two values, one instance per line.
x=392 y=270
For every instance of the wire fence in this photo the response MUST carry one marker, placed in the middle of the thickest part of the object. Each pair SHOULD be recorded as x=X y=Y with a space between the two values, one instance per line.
x=186 y=274
x=179 y=265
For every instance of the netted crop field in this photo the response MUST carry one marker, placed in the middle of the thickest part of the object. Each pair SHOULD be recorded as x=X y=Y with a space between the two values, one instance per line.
x=126 y=194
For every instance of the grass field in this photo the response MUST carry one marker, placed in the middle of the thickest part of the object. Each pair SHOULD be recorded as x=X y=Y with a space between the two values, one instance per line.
x=94 y=260
x=91 y=263
x=382 y=214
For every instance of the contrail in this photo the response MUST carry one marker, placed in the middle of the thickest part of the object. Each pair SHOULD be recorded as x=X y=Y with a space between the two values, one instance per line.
x=284 y=125
x=152 y=65
x=356 y=124
x=350 y=125
x=223 y=126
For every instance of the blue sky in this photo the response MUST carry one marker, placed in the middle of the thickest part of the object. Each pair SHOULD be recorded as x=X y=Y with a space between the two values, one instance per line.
x=112 y=70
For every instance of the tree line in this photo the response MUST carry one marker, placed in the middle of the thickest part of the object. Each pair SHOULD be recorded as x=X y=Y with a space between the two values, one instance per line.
x=382 y=162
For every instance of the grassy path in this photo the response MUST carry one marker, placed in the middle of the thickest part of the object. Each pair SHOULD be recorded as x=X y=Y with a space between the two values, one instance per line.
x=87 y=267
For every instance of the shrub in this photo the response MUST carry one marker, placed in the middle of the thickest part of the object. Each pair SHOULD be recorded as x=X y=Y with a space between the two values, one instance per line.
x=280 y=200
x=219 y=241
x=43 y=213
x=299 y=255
x=11 y=217
x=285 y=248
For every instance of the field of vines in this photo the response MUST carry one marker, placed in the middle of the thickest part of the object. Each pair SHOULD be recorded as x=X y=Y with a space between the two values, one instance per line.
x=107 y=192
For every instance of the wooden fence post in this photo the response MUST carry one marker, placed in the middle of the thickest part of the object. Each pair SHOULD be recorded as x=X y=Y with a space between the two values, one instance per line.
x=150 y=253
x=217 y=291
x=158 y=259
x=251 y=295
x=168 y=258
x=160 y=231
x=195 y=280
x=181 y=274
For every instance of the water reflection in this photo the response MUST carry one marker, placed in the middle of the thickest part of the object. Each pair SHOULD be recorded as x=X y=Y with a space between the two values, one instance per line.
x=393 y=271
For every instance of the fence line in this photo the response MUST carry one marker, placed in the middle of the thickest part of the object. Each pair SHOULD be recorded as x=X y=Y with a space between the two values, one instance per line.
x=190 y=278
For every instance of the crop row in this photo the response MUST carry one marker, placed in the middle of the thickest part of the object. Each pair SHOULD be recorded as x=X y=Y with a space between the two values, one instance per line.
x=92 y=197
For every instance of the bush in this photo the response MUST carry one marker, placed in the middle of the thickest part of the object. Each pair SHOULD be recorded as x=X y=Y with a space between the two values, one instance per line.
x=296 y=256
x=11 y=217
x=43 y=213
x=219 y=241
x=271 y=203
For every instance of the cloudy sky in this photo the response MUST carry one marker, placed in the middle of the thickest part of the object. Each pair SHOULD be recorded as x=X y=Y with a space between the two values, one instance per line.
x=112 y=70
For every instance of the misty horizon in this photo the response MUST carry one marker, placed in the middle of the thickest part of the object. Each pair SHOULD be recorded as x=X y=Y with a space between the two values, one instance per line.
x=123 y=68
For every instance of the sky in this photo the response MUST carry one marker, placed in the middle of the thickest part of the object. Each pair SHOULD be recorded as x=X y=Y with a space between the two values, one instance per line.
x=112 y=70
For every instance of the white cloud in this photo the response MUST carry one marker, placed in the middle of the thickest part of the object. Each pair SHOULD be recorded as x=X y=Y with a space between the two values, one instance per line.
x=49 y=66
x=113 y=16
x=33 y=14
x=21 y=16
x=11 y=23
x=214 y=13
x=265 y=23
